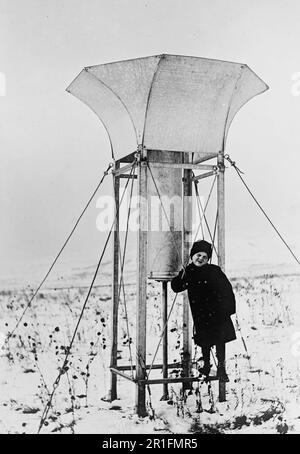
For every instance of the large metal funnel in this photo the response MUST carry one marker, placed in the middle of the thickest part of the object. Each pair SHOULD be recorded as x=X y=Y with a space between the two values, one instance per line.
x=167 y=102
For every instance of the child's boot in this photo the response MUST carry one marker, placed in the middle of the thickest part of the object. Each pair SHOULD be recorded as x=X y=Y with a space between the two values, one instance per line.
x=205 y=370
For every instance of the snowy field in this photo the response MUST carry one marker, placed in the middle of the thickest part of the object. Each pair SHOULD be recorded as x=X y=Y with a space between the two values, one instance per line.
x=263 y=395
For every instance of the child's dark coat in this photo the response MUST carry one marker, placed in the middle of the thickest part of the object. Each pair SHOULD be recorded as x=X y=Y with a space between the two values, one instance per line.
x=212 y=302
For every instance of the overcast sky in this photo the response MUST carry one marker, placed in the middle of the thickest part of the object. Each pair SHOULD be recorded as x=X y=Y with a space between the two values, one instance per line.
x=53 y=149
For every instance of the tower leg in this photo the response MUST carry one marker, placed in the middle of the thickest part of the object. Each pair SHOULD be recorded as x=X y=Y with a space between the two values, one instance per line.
x=186 y=242
x=141 y=291
x=221 y=239
x=115 y=290
x=165 y=395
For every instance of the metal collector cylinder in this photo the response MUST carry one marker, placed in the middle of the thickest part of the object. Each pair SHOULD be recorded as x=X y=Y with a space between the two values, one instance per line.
x=165 y=215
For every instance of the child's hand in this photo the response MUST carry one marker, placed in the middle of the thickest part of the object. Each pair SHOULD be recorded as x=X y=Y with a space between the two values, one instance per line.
x=188 y=263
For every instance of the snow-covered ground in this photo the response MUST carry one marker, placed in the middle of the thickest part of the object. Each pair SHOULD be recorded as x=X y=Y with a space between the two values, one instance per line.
x=263 y=395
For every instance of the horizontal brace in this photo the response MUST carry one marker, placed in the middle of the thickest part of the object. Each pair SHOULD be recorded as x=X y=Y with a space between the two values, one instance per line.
x=118 y=372
x=128 y=176
x=204 y=156
x=183 y=165
x=122 y=170
x=156 y=381
x=200 y=154
x=148 y=366
x=176 y=380
x=205 y=175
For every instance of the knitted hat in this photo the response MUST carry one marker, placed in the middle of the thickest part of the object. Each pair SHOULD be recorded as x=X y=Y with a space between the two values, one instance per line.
x=201 y=246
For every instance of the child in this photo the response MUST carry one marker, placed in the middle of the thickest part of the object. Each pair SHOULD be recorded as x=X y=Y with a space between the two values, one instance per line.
x=212 y=301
